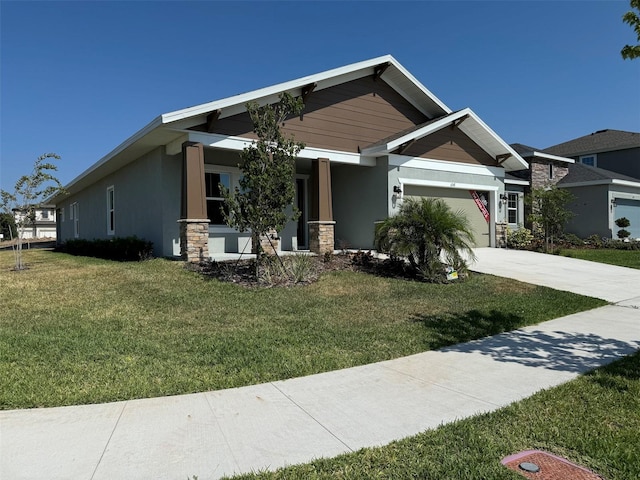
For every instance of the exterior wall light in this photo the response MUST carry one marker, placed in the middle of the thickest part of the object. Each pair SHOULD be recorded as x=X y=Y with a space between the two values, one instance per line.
x=397 y=189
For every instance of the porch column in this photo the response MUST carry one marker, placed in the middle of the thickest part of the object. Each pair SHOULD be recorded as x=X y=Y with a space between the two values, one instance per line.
x=321 y=224
x=194 y=224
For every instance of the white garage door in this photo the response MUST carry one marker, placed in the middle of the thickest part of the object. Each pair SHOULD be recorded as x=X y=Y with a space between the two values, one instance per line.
x=458 y=200
x=631 y=210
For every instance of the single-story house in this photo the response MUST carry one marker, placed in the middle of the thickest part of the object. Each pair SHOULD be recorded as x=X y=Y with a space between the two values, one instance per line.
x=374 y=136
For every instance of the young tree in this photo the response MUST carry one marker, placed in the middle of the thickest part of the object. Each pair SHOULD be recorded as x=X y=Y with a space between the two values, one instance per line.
x=267 y=185
x=549 y=212
x=633 y=19
x=29 y=193
x=427 y=231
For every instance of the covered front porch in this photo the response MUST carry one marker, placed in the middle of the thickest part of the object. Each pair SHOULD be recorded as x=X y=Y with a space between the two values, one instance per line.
x=203 y=232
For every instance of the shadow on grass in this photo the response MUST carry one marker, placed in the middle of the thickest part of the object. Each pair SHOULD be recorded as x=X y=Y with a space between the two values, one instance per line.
x=557 y=350
x=449 y=329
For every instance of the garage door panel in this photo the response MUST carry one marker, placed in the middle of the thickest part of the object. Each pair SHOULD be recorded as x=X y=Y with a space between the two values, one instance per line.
x=630 y=209
x=457 y=200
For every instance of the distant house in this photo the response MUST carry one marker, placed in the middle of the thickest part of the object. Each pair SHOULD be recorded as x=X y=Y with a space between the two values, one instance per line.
x=613 y=150
x=600 y=196
x=374 y=137
x=42 y=226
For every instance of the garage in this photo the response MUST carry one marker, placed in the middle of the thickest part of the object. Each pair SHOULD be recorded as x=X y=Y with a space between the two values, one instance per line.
x=631 y=210
x=459 y=200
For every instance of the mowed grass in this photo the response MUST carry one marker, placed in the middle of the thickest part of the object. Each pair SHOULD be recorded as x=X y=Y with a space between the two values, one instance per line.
x=622 y=258
x=77 y=330
x=593 y=421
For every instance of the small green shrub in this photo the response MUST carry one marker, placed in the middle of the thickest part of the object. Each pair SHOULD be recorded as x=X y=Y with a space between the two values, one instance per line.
x=122 y=249
x=572 y=240
x=595 y=241
x=622 y=233
x=301 y=267
x=519 y=239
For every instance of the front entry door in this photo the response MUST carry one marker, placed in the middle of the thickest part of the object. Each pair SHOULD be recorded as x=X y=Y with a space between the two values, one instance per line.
x=301 y=195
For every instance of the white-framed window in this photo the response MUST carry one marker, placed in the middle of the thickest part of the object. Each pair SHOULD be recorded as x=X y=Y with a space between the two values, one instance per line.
x=214 y=176
x=111 y=211
x=75 y=216
x=45 y=214
x=591 y=160
x=512 y=208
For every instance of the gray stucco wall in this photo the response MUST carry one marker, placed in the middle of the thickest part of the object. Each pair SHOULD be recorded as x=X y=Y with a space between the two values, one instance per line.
x=626 y=162
x=591 y=209
x=359 y=200
x=139 y=197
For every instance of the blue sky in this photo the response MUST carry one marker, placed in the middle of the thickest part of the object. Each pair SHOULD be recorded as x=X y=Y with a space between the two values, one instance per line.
x=78 y=78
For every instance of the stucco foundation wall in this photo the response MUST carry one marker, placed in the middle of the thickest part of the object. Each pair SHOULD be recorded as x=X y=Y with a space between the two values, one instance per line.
x=359 y=200
x=591 y=207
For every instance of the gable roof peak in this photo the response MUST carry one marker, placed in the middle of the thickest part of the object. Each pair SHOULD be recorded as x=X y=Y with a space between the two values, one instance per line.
x=385 y=67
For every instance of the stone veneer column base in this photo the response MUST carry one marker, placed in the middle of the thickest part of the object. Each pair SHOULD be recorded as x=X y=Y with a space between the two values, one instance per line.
x=194 y=239
x=270 y=243
x=321 y=236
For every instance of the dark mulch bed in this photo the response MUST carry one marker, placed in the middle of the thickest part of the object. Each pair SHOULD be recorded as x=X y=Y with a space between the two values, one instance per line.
x=242 y=272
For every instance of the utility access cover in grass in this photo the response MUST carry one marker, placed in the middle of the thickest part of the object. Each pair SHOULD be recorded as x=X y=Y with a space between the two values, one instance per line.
x=539 y=465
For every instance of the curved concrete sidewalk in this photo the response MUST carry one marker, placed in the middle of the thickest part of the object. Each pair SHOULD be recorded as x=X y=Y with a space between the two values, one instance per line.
x=280 y=423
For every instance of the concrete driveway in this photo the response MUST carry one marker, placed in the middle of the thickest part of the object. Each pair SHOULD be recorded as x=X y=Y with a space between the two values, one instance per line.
x=611 y=283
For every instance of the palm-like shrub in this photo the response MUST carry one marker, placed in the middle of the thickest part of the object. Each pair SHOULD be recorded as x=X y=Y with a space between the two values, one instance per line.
x=429 y=235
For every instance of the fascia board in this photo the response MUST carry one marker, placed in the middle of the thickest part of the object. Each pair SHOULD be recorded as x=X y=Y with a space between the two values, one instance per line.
x=520 y=163
x=415 y=135
x=609 y=181
x=240 y=143
x=516 y=182
x=552 y=157
x=275 y=89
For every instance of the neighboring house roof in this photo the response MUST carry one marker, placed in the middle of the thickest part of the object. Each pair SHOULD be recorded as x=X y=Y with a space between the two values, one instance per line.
x=596 y=142
x=528 y=152
x=172 y=129
x=582 y=175
x=469 y=123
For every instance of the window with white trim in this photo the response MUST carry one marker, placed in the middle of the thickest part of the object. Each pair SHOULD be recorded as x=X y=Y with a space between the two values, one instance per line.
x=111 y=211
x=591 y=160
x=215 y=201
x=75 y=216
x=512 y=208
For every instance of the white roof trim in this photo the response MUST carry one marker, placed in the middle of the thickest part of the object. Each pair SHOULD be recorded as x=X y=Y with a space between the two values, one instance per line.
x=240 y=143
x=605 y=181
x=444 y=122
x=516 y=182
x=548 y=156
x=361 y=69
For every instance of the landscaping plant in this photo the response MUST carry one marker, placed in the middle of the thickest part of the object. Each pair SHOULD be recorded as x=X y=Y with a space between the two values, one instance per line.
x=427 y=233
x=28 y=194
x=266 y=191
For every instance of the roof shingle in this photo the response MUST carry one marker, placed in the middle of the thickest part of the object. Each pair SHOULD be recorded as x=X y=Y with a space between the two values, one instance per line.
x=600 y=141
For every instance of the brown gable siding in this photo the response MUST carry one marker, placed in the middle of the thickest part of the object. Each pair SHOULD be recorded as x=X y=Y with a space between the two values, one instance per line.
x=450 y=144
x=344 y=117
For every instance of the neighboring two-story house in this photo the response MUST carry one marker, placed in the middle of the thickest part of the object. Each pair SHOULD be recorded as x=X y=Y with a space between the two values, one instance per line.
x=42 y=226
x=613 y=150
x=593 y=169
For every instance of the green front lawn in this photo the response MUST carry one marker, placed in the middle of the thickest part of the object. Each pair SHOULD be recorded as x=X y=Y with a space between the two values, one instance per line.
x=622 y=258
x=77 y=330
x=593 y=421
